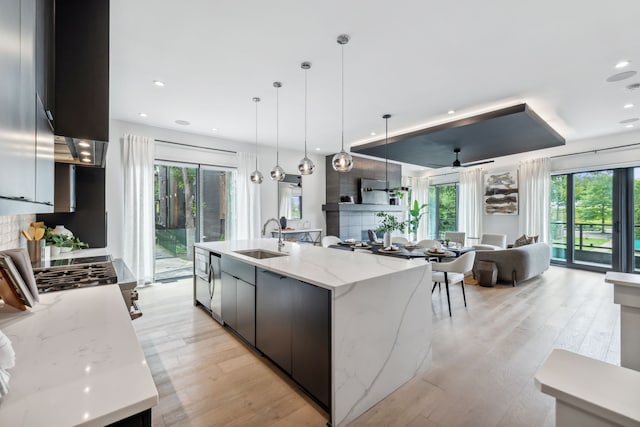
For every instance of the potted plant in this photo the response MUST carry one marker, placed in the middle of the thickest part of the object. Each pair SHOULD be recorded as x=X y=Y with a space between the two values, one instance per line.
x=56 y=241
x=415 y=215
x=389 y=224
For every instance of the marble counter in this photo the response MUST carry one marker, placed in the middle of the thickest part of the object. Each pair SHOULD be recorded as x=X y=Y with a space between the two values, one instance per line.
x=380 y=316
x=327 y=268
x=78 y=361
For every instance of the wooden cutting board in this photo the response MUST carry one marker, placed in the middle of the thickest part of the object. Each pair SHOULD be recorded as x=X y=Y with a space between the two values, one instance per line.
x=8 y=293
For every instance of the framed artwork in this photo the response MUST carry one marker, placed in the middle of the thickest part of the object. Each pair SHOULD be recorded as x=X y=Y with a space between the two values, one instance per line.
x=501 y=193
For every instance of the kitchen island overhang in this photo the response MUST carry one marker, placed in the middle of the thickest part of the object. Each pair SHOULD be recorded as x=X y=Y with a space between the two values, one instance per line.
x=381 y=324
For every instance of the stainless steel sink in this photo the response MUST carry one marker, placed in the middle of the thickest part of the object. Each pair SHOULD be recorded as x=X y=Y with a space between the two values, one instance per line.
x=260 y=253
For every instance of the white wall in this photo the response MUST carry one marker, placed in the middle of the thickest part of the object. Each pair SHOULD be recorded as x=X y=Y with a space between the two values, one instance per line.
x=593 y=160
x=313 y=186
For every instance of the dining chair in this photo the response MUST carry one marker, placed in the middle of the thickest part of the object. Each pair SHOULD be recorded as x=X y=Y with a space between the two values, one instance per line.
x=452 y=273
x=330 y=240
x=428 y=244
x=491 y=242
x=372 y=236
x=455 y=236
x=399 y=239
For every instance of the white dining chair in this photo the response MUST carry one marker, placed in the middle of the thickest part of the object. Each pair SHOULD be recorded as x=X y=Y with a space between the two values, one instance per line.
x=455 y=236
x=330 y=240
x=429 y=244
x=399 y=239
x=452 y=273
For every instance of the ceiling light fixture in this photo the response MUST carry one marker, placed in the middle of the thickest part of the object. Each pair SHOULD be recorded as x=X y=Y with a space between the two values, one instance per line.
x=451 y=112
x=317 y=148
x=277 y=173
x=306 y=166
x=142 y=114
x=85 y=153
x=456 y=162
x=386 y=118
x=629 y=126
x=158 y=83
x=622 y=64
x=372 y=134
x=628 y=105
x=86 y=160
x=256 y=176
x=84 y=144
x=342 y=161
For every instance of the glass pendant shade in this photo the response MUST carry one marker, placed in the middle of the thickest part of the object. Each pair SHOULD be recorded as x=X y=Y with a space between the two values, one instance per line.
x=306 y=166
x=342 y=161
x=256 y=177
x=277 y=173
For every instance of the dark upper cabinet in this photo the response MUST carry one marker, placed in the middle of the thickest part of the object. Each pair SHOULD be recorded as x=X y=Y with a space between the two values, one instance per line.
x=82 y=69
x=44 y=54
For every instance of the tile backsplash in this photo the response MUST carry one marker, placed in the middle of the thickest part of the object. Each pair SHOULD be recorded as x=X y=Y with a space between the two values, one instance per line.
x=10 y=227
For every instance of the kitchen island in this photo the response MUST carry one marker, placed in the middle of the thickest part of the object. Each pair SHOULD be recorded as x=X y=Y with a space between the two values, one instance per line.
x=378 y=311
x=78 y=362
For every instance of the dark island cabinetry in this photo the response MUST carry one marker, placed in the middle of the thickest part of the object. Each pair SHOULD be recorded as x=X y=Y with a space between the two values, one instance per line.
x=293 y=329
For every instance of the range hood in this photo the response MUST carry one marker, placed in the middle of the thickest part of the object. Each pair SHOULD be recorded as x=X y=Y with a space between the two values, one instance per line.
x=80 y=151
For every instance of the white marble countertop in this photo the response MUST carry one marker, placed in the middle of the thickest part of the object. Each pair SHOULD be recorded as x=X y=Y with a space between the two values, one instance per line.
x=78 y=361
x=608 y=391
x=324 y=267
x=624 y=279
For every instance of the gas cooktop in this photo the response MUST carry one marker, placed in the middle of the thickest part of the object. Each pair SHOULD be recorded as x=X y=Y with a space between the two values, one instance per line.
x=75 y=273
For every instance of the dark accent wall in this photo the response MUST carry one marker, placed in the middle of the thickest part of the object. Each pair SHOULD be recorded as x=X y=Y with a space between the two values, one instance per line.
x=349 y=221
x=89 y=221
x=340 y=184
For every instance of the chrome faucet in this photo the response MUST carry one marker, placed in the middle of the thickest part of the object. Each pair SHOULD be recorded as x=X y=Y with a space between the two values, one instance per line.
x=264 y=231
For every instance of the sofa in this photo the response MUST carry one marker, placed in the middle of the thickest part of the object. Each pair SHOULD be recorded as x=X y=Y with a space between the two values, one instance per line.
x=517 y=264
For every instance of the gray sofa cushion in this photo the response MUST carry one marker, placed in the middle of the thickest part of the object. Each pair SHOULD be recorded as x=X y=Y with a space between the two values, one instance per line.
x=521 y=263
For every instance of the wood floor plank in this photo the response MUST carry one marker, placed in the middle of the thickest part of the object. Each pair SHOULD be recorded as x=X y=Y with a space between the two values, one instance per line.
x=484 y=358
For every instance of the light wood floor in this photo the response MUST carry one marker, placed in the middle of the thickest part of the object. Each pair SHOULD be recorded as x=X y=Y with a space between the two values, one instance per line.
x=484 y=359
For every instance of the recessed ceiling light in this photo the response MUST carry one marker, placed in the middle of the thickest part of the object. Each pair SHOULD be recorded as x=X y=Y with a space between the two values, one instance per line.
x=142 y=114
x=372 y=134
x=621 y=76
x=158 y=83
x=629 y=126
x=84 y=144
x=214 y=129
x=622 y=64
x=451 y=112
x=86 y=160
x=628 y=105
x=317 y=148
x=85 y=153
x=182 y=122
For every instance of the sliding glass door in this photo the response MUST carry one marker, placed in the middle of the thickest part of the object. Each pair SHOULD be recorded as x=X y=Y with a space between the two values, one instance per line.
x=595 y=219
x=193 y=203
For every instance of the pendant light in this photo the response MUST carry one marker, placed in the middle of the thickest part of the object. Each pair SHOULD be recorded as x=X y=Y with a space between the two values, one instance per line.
x=456 y=162
x=386 y=118
x=342 y=161
x=277 y=173
x=256 y=175
x=306 y=166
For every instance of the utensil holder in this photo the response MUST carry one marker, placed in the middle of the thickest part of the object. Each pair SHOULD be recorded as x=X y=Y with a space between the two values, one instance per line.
x=35 y=248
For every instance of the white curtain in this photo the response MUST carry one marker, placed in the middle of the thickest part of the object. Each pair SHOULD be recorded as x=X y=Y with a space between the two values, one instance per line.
x=470 y=213
x=420 y=192
x=138 y=155
x=535 y=197
x=248 y=199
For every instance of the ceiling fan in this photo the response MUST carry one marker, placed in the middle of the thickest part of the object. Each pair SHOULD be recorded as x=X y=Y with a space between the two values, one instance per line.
x=457 y=164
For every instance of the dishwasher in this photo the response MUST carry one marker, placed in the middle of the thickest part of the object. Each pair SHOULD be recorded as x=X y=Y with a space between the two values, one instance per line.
x=207 y=282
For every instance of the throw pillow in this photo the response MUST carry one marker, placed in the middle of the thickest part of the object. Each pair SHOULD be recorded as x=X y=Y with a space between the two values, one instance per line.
x=521 y=241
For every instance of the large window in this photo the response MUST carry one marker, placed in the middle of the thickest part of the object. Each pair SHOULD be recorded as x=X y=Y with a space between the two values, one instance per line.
x=443 y=202
x=594 y=219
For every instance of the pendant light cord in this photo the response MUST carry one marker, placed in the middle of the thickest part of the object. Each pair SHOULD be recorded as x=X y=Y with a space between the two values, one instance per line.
x=256 y=135
x=342 y=96
x=386 y=158
x=277 y=126
x=305 y=112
